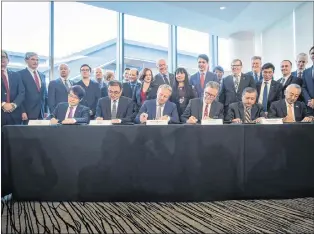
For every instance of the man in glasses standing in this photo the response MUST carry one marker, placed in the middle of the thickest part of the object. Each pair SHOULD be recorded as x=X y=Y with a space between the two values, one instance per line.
x=117 y=108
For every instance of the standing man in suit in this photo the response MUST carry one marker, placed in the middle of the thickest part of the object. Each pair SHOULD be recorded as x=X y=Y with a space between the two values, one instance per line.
x=160 y=108
x=12 y=93
x=115 y=107
x=71 y=112
x=246 y=111
x=301 y=62
x=256 y=63
x=268 y=90
x=219 y=71
x=233 y=85
x=289 y=108
x=204 y=108
x=92 y=90
x=132 y=87
x=288 y=78
x=308 y=85
x=163 y=77
x=126 y=75
x=58 y=89
x=35 y=105
x=99 y=77
x=203 y=76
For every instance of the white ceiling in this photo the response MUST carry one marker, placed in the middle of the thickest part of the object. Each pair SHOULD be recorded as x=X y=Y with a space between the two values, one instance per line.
x=206 y=16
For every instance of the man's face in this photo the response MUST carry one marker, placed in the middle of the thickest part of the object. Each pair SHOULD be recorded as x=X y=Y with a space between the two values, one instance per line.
x=292 y=94
x=4 y=60
x=285 y=68
x=64 y=71
x=126 y=75
x=202 y=65
x=210 y=95
x=256 y=65
x=133 y=75
x=219 y=74
x=249 y=99
x=236 y=68
x=98 y=74
x=301 y=62
x=114 y=92
x=32 y=62
x=163 y=96
x=162 y=66
x=73 y=100
x=268 y=74
x=85 y=72
x=312 y=55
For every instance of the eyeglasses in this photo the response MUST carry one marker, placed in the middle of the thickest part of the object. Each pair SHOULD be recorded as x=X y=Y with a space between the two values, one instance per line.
x=210 y=95
x=73 y=96
x=84 y=70
x=114 y=92
x=4 y=57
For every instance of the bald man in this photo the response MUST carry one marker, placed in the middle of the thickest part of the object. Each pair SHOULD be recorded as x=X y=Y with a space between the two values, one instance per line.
x=58 y=89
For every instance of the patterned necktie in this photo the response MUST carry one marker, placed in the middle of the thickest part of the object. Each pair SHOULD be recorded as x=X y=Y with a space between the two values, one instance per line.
x=6 y=86
x=236 y=83
x=283 y=80
x=70 y=115
x=265 y=96
x=300 y=75
x=205 y=112
x=158 y=115
x=114 y=110
x=37 y=81
x=247 y=118
x=255 y=77
x=202 y=80
x=166 y=79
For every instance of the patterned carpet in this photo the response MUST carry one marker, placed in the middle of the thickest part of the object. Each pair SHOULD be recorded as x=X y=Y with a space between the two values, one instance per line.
x=259 y=216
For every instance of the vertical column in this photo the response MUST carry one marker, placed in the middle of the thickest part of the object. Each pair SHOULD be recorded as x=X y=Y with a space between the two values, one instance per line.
x=120 y=47
x=213 y=50
x=172 y=49
x=51 y=42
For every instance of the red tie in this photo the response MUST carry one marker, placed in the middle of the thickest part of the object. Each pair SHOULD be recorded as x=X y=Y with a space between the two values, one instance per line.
x=37 y=81
x=6 y=85
x=205 y=111
x=202 y=80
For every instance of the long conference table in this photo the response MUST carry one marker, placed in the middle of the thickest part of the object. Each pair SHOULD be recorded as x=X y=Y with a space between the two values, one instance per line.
x=158 y=163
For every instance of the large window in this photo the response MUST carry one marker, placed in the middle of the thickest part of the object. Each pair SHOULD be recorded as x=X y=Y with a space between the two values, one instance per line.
x=224 y=58
x=190 y=44
x=145 y=42
x=25 y=28
x=84 y=34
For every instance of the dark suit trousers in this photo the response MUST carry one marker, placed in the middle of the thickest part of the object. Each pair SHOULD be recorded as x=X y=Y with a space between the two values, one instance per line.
x=8 y=119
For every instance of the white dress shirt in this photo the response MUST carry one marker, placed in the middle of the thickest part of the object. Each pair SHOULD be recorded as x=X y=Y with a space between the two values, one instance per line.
x=68 y=111
x=292 y=106
x=261 y=94
x=204 y=106
x=162 y=109
x=32 y=73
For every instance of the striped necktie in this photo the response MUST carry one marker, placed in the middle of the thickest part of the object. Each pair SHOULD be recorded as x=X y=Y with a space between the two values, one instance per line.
x=247 y=118
x=114 y=110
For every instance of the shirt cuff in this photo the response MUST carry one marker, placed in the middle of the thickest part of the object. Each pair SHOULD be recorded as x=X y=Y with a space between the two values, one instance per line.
x=2 y=104
x=169 y=118
x=74 y=120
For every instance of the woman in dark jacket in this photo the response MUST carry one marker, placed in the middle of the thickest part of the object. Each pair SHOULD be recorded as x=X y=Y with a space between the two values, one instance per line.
x=182 y=91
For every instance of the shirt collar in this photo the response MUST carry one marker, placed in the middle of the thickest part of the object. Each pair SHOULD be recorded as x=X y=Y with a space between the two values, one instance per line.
x=287 y=104
x=157 y=104
x=31 y=70
x=117 y=101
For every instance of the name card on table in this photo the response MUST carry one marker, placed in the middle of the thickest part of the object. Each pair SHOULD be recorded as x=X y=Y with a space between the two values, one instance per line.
x=100 y=122
x=211 y=122
x=271 y=121
x=39 y=122
x=157 y=122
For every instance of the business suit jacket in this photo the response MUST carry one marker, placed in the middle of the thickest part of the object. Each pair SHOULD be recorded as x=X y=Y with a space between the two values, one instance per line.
x=236 y=111
x=274 y=93
x=295 y=74
x=252 y=74
x=229 y=95
x=278 y=109
x=151 y=93
x=81 y=114
x=159 y=79
x=104 y=90
x=36 y=102
x=190 y=93
x=195 y=80
x=290 y=80
x=57 y=92
x=125 y=110
x=149 y=107
x=127 y=90
x=195 y=108
x=308 y=85
x=17 y=96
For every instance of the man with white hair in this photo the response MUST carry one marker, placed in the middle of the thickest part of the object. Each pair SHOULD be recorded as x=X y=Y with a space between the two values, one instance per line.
x=301 y=62
x=58 y=89
x=289 y=108
x=163 y=77
x=160 y=108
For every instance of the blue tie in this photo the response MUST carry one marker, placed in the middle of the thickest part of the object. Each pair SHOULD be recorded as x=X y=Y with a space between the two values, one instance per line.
x=265 y=97
x=255 y=77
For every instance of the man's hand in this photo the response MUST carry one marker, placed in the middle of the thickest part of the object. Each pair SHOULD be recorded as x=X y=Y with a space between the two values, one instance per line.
x=53 y=121
x=288 y=119
x=99 y=118
x=45 y=115
x=24 y=116
x=307 y=119
x=143 y=117
x=310 y=103
x=192 y=120
x=165 y=117
x=237 y=120
x=116 y=121
x=206 y=117
x=90 y=112
x=8 y=107
x=69 y=121
x=258 y=120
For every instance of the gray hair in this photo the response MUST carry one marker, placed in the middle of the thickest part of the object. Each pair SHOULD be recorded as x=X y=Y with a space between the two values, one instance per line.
x=302 y=55
x=30 y=54
x=256 y=58
x=249 y=90
x=213 y=85
x=165 y=86
x=298 y=87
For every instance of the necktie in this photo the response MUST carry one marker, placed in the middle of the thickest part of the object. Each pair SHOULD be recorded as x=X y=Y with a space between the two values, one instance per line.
x=255 y=77
x=67 y=85
x=114 y=110
x=247 y=118
x=166 y=79
x=37 y=81
x=205 y=111
x=70 y=115
x=300 y=75
x=236 y=83
x=202 y=80
x=158 y=115
x=290 y=114
x=283 y=80
x=265 y=96
x=6 y=85
x=133 y=89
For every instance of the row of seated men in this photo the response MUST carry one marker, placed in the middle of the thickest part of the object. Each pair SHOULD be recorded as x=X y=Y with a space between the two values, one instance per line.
x=24 y=93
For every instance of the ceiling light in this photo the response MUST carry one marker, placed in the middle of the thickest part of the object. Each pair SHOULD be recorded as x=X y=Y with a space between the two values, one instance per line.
x=222 y=8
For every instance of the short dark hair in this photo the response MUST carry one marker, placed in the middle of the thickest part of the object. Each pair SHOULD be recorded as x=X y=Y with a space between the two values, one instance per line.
x=219 y=68
x=86 y=65
x=78 y=91
x=267 y=66
x=286 y=60
x=249 y=90
x=203 y=56
x=115 y=83
x=236 y=60
x=6 y=53
x=126 y=69
x=312 y=48
x=143 y=74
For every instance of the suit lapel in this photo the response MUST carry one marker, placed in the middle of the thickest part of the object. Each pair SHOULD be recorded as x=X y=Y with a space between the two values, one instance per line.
x=200 y=109
x=283 y=107
x=271 y=90
x=78 y=111
x=254 y=112
x=62 y=84
x=108 y=108
x=153 y=110
x=212 y=109
x=241 y=84
x=11 y=81
x=241 y=111
x=120 y=107
x=297 y=111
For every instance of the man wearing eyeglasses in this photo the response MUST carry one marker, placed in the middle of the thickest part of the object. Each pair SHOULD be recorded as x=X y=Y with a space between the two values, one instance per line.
x=71 y=112
x=163 y=77
x=115 y=107
x=204 y=108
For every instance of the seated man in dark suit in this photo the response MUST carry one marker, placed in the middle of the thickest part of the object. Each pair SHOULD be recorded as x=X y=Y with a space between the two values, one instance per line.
x=115 y=107
x=71 y=112
x=247 y=111
x=160 y=108
x=196 y=110
x=289 y=108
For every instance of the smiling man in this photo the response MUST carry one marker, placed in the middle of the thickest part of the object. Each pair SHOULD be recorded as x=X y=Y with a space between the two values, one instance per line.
x=163 y=77
x=301 y=62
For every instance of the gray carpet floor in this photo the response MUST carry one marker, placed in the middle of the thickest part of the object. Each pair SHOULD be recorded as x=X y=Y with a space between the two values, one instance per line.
x=251 y=216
